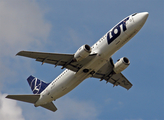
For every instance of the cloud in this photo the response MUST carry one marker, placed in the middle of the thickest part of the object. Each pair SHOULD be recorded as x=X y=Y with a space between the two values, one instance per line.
x=73 y=109
x=9 y=110
x=22 y=27
x=68 y=109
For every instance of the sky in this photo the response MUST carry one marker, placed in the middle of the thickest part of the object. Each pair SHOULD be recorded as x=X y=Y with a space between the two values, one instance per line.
x=62 y=27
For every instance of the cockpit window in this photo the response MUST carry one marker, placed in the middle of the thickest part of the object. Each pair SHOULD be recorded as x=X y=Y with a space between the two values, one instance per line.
x=134 y=14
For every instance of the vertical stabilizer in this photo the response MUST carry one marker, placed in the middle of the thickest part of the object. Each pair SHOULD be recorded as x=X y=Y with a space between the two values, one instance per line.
x=37 y=86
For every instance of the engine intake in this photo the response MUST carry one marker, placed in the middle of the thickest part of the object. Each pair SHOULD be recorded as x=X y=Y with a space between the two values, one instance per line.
x=82 y=52
x=121 y=65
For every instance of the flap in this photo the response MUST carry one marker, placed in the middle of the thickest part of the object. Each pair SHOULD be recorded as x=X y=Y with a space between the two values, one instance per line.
x=119 y=79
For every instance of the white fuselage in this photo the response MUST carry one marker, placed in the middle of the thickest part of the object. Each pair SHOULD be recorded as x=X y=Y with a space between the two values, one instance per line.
x=112 y=41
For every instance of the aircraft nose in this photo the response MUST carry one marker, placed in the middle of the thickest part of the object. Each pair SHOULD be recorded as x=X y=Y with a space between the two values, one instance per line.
x=144 y=15
x=140 y=19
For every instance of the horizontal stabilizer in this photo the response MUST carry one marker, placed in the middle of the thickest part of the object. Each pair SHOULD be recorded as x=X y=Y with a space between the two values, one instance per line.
x=50 y=106
x=32 y=99
x=24 y=98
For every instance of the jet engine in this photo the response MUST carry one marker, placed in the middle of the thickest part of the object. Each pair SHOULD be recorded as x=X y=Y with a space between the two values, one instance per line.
x=82 y=52
x=121 y=65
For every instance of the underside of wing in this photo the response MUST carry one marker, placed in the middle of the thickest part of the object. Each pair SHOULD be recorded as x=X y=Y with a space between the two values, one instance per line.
x=106 y=73
x=105 y=70
x=64 y=60
x=51 y=58
x=119 y=79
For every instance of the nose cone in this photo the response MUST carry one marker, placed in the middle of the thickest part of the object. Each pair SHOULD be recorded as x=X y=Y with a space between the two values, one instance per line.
x=144 y=16
x=140 y=19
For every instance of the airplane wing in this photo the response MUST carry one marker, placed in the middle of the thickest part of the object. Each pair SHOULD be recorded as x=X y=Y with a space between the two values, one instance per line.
x=65 y=60
x=115 y=79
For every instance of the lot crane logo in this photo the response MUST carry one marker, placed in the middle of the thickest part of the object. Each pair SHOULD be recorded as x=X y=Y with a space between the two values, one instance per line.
x=36 y=85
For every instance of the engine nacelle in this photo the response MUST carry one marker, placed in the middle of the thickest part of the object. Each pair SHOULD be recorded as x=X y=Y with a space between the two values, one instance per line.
x=82 y=52
x=121 y=65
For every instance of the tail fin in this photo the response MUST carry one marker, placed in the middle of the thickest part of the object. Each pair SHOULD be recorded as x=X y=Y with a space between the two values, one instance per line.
x=37 y=86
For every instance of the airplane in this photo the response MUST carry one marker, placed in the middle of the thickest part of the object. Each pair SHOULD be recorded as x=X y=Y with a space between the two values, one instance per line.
x=87 y=62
